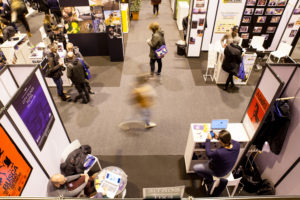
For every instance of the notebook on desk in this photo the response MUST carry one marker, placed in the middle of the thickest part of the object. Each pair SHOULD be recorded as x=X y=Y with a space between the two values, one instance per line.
x=219 y=123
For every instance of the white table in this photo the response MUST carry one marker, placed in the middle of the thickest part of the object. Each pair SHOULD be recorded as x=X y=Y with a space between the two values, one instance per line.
x=195 y=147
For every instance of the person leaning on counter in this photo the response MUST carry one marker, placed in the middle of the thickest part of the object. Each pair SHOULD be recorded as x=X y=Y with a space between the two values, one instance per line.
x=229 y=37
x=222 y=160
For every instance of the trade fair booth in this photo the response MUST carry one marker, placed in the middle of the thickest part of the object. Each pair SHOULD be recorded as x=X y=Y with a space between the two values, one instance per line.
x=32 y=133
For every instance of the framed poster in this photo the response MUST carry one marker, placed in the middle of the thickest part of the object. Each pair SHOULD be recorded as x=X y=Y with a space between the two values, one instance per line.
x=14 y=168
x=33 y=107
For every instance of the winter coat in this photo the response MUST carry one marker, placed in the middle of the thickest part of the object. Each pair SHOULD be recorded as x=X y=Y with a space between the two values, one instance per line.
x=75 y=71
x=55 y=70
x=156 y=42
x=75 y=160
x=233 y=58
x=155 y=2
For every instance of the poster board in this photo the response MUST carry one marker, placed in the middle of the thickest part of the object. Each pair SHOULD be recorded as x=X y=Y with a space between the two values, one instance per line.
x=15 y=169
x=268 y=88
x=36 y=184
x=57 y=139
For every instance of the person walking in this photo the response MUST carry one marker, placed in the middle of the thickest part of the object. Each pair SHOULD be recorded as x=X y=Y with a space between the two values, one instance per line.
x=232 y=61
x=55 y=71
x=19 y=12
x=155 y=4
x=155 y=42
x=75 y=72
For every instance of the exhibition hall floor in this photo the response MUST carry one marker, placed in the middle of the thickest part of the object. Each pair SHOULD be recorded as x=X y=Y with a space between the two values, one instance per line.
x=153 y=157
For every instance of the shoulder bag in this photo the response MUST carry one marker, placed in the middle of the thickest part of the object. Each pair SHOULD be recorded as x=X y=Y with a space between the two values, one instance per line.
x=87 y=73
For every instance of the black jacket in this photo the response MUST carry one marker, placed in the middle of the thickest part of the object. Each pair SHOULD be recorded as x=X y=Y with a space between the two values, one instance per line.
x=6 y=12
x=275 y=128
x=75 y=160
x=55 y=70
x=233 y=58
x=75 y=71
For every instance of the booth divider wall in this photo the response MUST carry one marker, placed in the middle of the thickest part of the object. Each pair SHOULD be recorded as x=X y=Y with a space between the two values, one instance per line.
x=33 y=111
x=272 y=166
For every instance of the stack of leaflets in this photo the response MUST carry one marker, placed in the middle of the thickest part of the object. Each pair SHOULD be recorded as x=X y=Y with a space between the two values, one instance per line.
x=110 y=185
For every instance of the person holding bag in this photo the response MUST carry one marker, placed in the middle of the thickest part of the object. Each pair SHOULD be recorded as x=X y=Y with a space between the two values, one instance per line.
x=155 y=42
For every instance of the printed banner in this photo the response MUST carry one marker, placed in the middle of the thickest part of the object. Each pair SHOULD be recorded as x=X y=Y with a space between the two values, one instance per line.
x=14 y=168
x=257 y=108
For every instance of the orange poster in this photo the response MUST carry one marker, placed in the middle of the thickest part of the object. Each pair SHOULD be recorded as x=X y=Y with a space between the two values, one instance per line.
x=14 y=169
x=257 y=108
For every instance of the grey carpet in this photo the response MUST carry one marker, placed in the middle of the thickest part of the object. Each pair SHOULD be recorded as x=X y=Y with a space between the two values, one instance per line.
x=180 y=101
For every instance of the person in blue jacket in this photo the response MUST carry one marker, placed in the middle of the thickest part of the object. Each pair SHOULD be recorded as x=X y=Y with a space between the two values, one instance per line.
x=222 y=160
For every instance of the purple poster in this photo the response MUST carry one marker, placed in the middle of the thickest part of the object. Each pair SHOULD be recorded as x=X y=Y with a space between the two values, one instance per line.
x=34 y=109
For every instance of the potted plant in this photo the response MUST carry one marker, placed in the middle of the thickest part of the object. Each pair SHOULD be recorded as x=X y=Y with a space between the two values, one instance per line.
x=135 y=8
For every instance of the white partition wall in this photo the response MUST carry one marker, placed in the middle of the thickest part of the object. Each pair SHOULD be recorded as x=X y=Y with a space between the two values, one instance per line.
x=21 y=72
x=36 y=184
x=54 y=136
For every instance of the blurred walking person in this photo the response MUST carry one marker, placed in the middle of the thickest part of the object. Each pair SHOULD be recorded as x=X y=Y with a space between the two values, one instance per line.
x=19 y=12
x=155 y=4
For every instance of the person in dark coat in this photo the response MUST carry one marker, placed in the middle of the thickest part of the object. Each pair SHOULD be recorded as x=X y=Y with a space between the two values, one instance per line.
x=155 y=42
x=7 y=31
x=55 y=10
x=55 y=71
x=232 y=61
x=155 y=4
x=5 y=11
x=76 y=73
x=57 y=35
x=185 y=26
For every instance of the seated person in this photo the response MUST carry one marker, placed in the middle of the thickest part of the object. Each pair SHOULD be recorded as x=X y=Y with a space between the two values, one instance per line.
x=58 y=185
x=221 y=160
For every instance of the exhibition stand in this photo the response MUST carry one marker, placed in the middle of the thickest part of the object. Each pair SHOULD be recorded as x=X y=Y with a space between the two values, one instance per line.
x=276 y=21
x=95 y=27
x=267 y=90
x=34 y=133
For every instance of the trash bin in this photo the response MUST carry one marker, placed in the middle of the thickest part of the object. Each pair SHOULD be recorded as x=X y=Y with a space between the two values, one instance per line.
x=180 y=47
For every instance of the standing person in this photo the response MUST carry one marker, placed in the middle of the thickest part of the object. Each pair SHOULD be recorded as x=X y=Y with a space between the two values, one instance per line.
x=221 y=160
x=232 y=61
x=57 y=35
x=229 y=37
x=55 y=71
x=155 y=42
x=19 y=12
x=144 y=96
x=75 y=72
x=155 y=4
x=75 y=50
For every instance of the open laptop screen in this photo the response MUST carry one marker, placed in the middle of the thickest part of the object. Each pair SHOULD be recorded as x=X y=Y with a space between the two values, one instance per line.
x=219 y=124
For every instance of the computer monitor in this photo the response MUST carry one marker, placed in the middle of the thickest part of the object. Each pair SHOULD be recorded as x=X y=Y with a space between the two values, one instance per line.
x=219 y=123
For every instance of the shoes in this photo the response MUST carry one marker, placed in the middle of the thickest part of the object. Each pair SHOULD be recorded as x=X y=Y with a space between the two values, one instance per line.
x=66 y=98
x=154 y=15
x=91 y=92
x=84 y=102
x=150 y=125
x=225 y=88
x=157 y=74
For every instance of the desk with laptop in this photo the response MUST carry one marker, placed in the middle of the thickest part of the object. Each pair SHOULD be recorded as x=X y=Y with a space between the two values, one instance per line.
x=111 y=180
x=195 y=148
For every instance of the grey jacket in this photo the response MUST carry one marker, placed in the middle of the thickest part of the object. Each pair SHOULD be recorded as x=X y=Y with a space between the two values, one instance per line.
x=75 y=71
x=53 y=191
x=156 y=42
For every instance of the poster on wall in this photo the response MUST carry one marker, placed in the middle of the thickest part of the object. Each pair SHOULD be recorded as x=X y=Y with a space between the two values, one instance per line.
x=98 y=19
x=33 y=107
x=14 y=168
x=226 y=21
x=257 y=109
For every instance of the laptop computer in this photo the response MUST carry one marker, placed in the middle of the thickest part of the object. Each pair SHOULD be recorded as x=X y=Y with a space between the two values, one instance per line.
x=219 y=124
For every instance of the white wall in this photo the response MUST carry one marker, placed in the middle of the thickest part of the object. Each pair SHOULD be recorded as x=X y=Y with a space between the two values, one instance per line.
x=56 y=142
x=274 y=166
x=37 y=182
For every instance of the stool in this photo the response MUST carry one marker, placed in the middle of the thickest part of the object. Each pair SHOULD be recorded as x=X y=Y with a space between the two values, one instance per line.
x=231 y=182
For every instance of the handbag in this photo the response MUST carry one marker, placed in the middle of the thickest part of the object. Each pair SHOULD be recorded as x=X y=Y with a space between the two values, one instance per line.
x=87 y=73
x=161 y=52
x=241 y=74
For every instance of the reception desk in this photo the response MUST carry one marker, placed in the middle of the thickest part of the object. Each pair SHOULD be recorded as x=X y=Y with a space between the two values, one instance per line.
x=195 y=147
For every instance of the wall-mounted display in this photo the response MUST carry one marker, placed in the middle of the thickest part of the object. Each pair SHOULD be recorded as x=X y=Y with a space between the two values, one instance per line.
x=257 y=29
x=275 y=19
x=293 y=33
x=245 y=35
x=251 y=2
x=261 y=2
x=86 y=26
x=194 y=24
x=290 y=25
x=15 y=169
x=199 y=10
x=261 y=19
x=271 y=29
x=246 y=19
x=201 y=21
x=110 y=5
x=192 y=40
x=266 y=36
x=98 y=19
x=296 y=11
x=112 y=17
x=114 y=31
x=244 y=29
x=83 y=13
x=96 y=3
x=272 y=3
x=281 y=2
x=259 y=11
x=34 y=109
x=199 y=33
x=69 y=14
x=248 y=11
